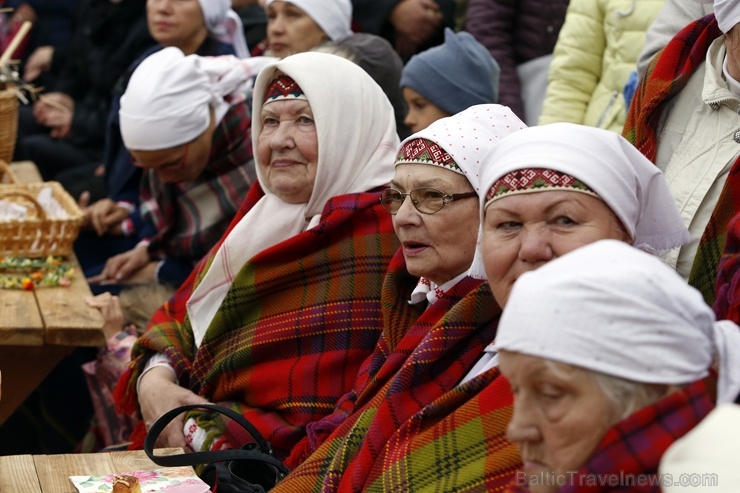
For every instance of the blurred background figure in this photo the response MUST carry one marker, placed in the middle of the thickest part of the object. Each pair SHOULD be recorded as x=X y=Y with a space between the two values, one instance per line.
x=520 y=35
x=448 y=79
x=595 y=54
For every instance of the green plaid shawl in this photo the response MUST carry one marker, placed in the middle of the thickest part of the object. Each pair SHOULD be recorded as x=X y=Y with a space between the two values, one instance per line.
x=409 y=427
x=294 y=328
x=668 y=73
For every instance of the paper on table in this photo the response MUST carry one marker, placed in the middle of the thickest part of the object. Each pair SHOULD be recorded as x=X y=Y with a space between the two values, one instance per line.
x=169 y=480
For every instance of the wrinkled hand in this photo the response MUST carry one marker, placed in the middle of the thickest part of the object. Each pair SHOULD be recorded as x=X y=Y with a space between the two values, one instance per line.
x=110 y=308
x=415 y=22
x=39 y=61
x=158 y=393
x=106 y=216
x=122 y=267
x=55 y=110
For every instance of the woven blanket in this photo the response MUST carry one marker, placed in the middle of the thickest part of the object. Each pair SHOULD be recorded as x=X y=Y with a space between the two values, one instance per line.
x=294 y=328
x=409 y=416
x=627 y=458
x=667 y=75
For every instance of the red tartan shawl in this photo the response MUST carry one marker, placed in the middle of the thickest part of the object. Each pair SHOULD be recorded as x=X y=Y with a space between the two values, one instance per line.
x=667 y=75
x=727 y=302
x=627 y=458
x=294 y=328
x=407 y=387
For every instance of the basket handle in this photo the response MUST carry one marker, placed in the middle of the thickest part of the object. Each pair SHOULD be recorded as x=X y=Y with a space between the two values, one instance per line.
x=40 y=212
x=5 y=170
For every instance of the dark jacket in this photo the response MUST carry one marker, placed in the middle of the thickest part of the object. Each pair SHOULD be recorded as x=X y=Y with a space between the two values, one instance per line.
x=108 y=38
x=515 y=31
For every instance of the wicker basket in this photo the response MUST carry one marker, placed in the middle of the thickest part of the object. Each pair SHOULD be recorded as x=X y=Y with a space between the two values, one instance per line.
x=39 y=235
x=8 y=124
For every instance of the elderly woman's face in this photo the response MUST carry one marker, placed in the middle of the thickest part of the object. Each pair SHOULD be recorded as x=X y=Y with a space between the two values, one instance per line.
x=290 y=30
x=180 y=163
x=560 y=416
x=175 y=22
x=288 y=150
x=524 y=232
x=437 y=246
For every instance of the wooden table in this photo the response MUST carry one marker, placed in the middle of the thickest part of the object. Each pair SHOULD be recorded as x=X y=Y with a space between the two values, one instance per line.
x=39 y=328
x=50 y=473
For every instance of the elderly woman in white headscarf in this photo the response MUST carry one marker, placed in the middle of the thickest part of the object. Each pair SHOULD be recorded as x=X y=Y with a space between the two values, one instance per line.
x=295 y=26
x=277 y=318
x=202 y=27
x=554 y=188
x=438 y=320
x=185 y=123
x=607 y=350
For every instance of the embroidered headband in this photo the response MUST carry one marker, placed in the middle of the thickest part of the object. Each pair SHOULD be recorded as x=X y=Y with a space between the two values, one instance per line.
x=284 y=87
x=423 y=151
x=529 y=180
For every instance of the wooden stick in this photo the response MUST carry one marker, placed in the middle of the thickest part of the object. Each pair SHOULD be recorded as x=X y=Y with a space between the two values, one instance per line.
x=15 y=43
x=55 y=104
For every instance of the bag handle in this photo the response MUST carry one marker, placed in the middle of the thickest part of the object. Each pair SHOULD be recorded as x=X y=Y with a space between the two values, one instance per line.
x=262 y=453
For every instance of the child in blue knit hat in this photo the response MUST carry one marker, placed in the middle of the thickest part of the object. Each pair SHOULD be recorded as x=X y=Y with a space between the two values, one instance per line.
x=448 y=79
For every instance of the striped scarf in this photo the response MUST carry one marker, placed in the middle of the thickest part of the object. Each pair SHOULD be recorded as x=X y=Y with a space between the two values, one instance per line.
x=408 y=426
x=666 y=76
x=627 y=458
x=190 y=217
x=294 y=328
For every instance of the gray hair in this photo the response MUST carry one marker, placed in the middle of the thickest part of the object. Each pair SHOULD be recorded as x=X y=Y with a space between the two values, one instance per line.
x=626 y=396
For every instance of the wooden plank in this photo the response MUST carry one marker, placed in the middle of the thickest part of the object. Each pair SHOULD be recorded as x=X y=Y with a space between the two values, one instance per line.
x=67 y=318
x=18 y=474
x=23 y=369
x=54 y=470
x=20 y=320
x=26 y=171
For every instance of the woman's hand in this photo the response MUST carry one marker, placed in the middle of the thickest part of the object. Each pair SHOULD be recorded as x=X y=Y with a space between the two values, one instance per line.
x=415 y=22
x=159 y=393
x=105 y=216
x=110 y=308
x=39 y=61
x=124 y=266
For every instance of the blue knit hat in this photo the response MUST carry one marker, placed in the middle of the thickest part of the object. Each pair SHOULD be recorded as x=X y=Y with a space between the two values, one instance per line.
x=455 y=75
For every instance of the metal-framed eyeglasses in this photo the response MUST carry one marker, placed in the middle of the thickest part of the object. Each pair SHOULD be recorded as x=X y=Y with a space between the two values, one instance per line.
x=426 y=200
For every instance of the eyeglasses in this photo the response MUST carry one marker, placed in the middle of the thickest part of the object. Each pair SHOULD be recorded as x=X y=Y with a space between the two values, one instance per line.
x=426 y=200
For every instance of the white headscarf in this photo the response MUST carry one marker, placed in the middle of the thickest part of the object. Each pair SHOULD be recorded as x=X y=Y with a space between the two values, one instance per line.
x=611 y=308
x=467 y=137
x=225 y=24
x=357 y=142
x=168 y=97
x=633 y=187
x=727 y=13
x=334 y=17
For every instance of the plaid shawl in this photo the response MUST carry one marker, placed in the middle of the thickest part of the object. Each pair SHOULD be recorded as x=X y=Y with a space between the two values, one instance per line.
x=190 y=217
x=727 y=303
x=667 y=75
x=411 y=427
x=627 y=458
x=294 y=328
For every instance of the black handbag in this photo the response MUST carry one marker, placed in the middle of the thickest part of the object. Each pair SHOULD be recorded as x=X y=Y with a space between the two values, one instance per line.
x=250 y=469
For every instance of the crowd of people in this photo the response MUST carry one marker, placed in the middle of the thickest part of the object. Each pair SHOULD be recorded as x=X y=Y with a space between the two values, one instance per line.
x=417 y=254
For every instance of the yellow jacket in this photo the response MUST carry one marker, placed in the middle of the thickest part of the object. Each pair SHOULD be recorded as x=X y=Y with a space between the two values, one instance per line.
x=597 y=49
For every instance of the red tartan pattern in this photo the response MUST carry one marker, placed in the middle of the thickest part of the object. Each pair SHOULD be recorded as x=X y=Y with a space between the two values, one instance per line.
x=423 y=151
x=407 y=403
x=633 y=448
x=667 y=75
x=535 y=179
x=294 y=328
